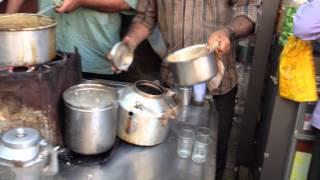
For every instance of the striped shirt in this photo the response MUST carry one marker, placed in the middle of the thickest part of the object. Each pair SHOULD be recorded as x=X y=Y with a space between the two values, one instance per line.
x=188 y=22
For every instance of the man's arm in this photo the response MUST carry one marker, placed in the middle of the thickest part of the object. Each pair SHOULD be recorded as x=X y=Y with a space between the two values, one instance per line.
x=245 y=17
x=239 y=27
x=307 y=21
x=14 y=6
x=101 y=5
x=142 y=23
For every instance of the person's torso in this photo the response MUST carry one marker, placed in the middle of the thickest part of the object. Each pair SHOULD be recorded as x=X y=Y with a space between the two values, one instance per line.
x=93 y=33
x=184 y=22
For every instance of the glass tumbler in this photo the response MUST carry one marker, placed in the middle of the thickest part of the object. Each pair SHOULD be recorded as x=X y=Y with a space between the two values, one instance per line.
x=201 y=149
x=185 y=142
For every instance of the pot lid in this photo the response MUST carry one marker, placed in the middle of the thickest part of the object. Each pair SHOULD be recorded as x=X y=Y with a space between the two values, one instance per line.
x=20 y=138
x=90 y=96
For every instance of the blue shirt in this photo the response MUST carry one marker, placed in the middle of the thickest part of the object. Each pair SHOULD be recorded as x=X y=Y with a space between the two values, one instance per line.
x=92 y=32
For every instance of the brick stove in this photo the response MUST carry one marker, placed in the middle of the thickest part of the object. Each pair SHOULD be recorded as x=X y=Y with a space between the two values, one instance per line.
x=32 y=96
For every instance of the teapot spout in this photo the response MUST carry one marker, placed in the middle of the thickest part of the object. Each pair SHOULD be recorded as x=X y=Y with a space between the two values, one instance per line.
x=53 y=166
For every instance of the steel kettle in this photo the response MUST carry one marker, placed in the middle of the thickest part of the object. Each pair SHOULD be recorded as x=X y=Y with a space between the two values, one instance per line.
x=27 y=154
x=144 y=111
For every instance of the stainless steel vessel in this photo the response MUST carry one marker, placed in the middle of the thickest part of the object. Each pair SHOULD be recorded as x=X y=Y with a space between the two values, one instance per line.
x=26 y=39
x=122 y=56
x=27 y=154
x=192 y=65
x=90 y=118
x=144 y=111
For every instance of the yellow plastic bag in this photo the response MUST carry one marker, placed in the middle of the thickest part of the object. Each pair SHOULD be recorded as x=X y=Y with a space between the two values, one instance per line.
x=297 y=71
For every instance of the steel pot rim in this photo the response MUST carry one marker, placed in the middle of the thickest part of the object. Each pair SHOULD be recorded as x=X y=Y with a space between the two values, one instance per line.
x=186 y=49
x=86 y=109
x=51 y=25
x=71 y=89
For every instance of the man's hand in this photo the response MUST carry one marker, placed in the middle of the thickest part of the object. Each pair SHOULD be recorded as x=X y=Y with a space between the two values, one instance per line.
x=69 y=6
x=220 y=41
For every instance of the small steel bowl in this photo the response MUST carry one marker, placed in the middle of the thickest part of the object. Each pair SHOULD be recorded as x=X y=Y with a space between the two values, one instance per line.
x=122 y=56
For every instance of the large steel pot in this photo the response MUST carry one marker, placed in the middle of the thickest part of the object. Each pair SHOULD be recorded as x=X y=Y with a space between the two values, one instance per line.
x=192 y=65
x=26 y=39
x=90 y=118
x=144 y=111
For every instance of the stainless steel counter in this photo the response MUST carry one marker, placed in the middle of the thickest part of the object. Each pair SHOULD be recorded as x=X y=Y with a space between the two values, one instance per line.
x=161 y=162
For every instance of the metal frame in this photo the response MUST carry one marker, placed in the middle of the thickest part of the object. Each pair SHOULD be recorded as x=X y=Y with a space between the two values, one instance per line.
x=298 y=134
x=278 y=138
x=279 y=126
x=263 y=45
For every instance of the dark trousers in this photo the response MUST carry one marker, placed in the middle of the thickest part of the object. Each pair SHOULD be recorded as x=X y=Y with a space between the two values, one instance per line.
x=314 y=171
x=225 y=107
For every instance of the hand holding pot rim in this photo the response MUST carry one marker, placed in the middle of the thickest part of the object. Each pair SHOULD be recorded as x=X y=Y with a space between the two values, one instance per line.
x=220 y=41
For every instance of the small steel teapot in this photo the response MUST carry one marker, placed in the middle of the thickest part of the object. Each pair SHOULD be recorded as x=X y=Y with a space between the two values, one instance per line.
x=27 y=154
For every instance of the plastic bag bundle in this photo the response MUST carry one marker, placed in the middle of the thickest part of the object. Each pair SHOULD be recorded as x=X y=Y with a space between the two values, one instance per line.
x=297 y=77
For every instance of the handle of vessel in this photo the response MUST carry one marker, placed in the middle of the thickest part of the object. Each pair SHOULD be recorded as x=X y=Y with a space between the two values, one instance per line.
x=53 y=166
x=169 y=114
x=131 y=123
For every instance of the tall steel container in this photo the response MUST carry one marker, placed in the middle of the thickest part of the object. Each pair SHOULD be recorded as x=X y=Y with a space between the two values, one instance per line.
x=90 y=118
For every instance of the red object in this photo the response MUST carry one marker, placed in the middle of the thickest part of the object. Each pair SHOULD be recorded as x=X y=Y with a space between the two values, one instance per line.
x=305 y=146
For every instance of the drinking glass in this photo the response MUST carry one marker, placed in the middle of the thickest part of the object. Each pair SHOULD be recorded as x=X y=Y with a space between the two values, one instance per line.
x=185 y=94
x=185 y=142
x=201 y=149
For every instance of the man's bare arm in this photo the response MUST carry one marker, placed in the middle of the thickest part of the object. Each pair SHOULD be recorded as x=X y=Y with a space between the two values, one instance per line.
x=14 y=6
x=101 y=5
x=241 y=26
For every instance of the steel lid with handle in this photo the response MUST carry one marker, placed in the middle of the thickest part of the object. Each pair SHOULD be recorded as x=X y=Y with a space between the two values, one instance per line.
x=21 y=138
x=20 y=144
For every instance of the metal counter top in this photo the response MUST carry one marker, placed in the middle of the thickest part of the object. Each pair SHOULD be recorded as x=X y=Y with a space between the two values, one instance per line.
x=160 y=162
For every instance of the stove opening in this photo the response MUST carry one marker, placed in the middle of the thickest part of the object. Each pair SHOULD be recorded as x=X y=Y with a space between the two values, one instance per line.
x=20 y=69
x=38 y=67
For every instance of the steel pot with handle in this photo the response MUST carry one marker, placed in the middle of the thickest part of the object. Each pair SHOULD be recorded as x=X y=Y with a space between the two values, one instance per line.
x=144 y=111
x=27 y=154
x=192 y=65
x=90 y=118
x=26 y=39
